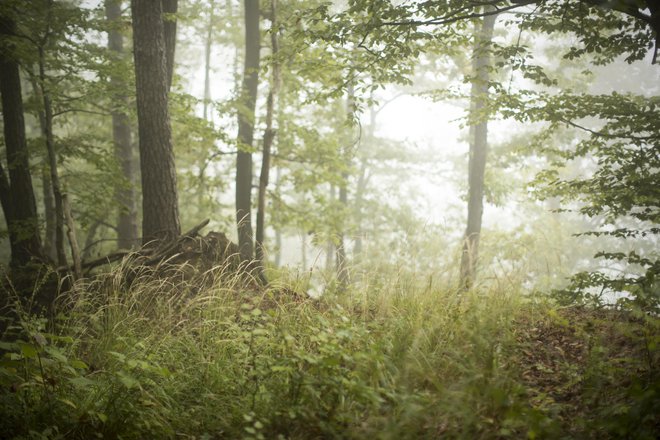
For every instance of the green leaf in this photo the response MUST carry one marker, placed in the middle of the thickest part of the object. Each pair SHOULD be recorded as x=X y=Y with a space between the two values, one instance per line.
x=28 y=350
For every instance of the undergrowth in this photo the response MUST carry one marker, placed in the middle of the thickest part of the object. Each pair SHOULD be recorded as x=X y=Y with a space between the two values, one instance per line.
x=144 y=356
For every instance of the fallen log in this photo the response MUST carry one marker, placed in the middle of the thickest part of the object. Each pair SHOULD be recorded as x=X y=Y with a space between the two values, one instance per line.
x=147 y=256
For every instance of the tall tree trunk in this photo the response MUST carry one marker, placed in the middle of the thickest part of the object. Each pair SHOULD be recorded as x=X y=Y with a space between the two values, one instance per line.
x=18 y=201
x=170 y=8
x=160 y=212
x=127 y=222
x=478 y=150
x=269 y=136
x=246 y=131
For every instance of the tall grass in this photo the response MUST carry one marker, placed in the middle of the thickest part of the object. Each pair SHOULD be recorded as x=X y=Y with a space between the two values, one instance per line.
x=142 y=355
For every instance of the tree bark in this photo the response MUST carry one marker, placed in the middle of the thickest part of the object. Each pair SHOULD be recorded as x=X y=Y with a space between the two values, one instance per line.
x=160 y=212
x=127 y=222
x=170 y=7
x=478 y=150
x=269 y=136
x=18 y=201
x=246 y=131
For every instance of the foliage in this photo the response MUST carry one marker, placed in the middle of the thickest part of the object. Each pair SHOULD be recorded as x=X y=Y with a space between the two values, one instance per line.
x=395 y=360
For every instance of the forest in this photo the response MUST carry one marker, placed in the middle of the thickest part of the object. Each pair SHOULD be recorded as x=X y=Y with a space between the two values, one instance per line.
x=329 y=219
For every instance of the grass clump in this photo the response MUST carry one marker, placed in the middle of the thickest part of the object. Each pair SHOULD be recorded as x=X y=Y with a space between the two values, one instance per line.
x=155 y=358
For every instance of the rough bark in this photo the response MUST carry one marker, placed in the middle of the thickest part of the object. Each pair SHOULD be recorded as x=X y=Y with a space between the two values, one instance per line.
x=478 y=151
x=269 y=136
x=246 y=131
x=125 y=194
x=160 y=212
x=18 y=201
x=170 y=8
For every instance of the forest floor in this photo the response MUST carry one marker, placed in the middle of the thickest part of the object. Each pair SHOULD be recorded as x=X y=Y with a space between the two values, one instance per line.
x=215 y=358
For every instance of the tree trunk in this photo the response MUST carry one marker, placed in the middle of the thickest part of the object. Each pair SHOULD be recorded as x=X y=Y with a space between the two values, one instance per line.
x=160 y=212
x=18 y=201
x=127 y=222
x=478 y=150
x=170 y=7
x=246 y=131
x=269 y=136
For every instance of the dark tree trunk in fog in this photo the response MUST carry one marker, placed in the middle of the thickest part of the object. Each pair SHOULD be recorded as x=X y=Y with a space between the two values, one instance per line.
x=170 y=7
x=246 y=131
x=127 y=222
x=478 y=150
x=16 y=191
x=269 y=136
x=160 y=212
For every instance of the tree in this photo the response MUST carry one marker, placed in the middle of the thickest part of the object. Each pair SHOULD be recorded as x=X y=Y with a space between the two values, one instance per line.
x=127 y=221
x=248 y=99
x=170 y=8
x=478 y=149
x=160 y=212
x=269 y=136
x=18 y=201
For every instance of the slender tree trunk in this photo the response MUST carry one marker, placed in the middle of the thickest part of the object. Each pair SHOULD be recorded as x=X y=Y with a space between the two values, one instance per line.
x=246 y=131
x=478 y=150
x=127 y=222
x=269 y=136
x=18 y=201
x=160 y=212
x=170 y=7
